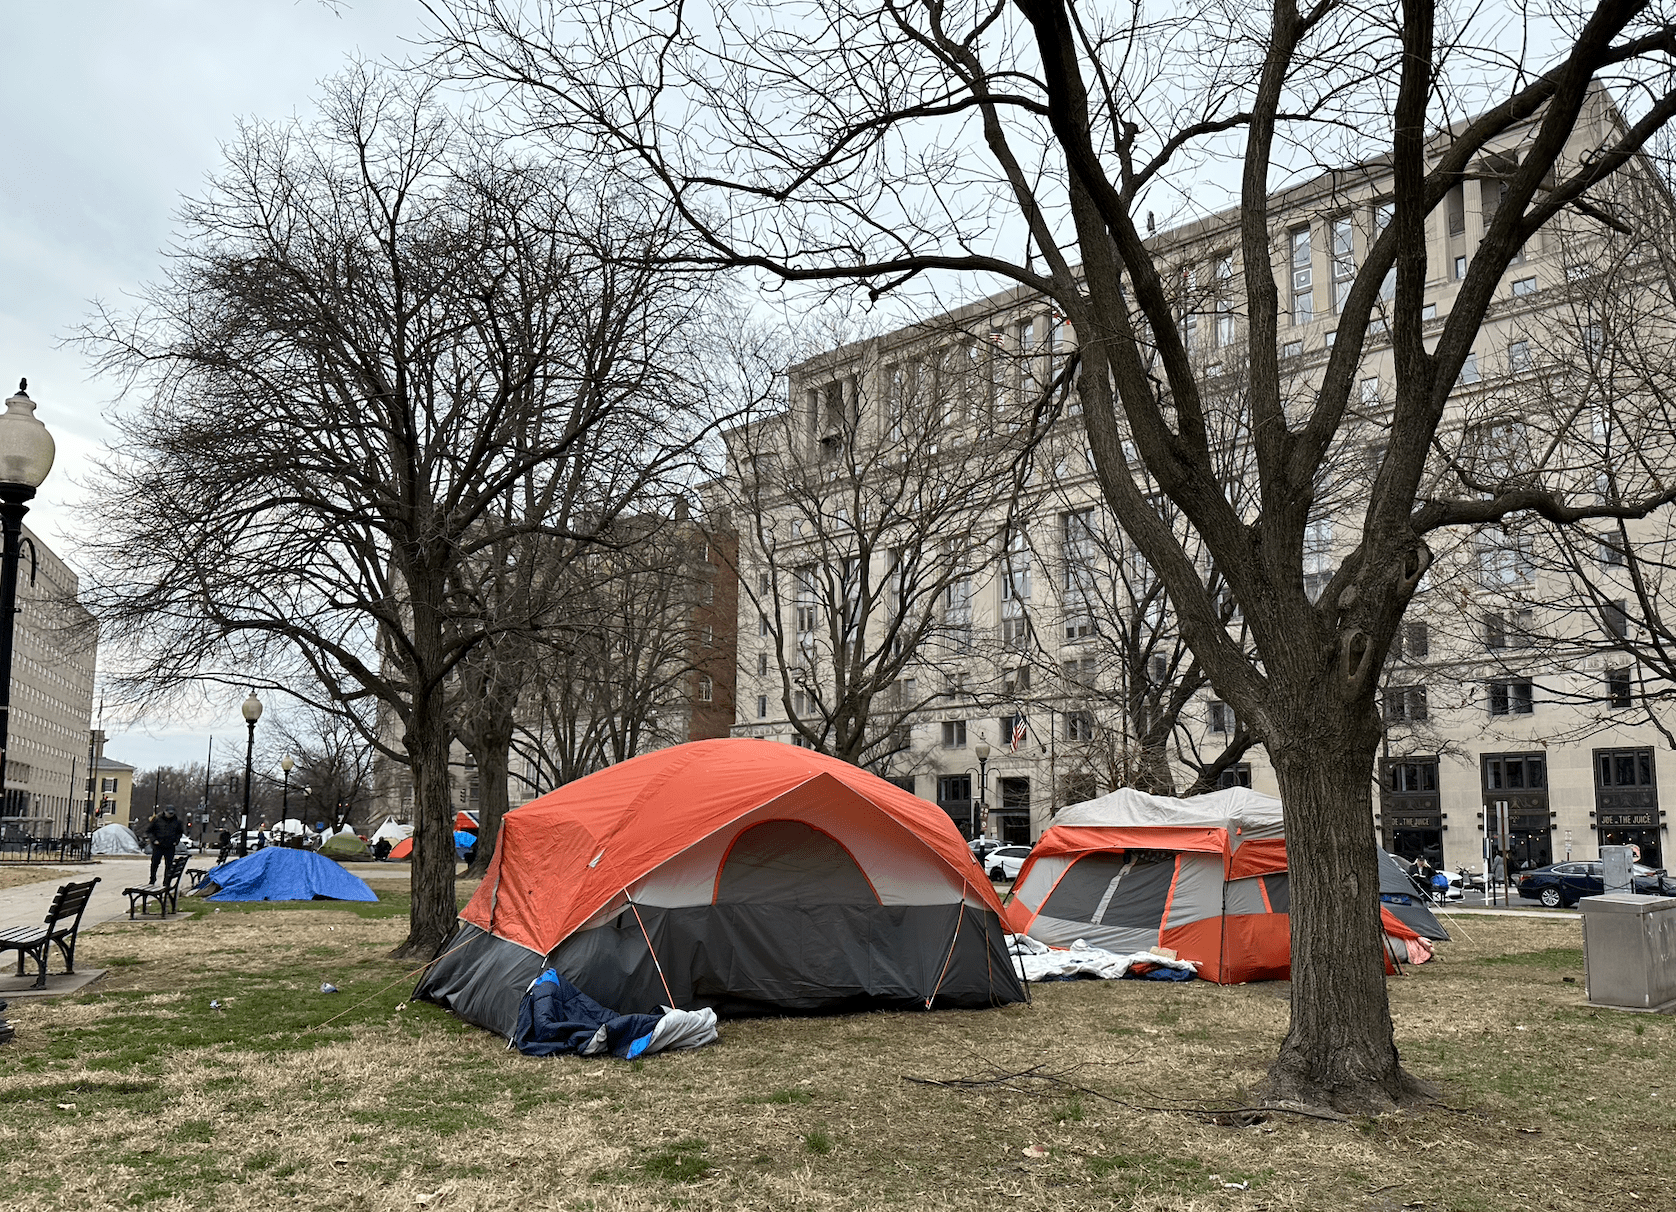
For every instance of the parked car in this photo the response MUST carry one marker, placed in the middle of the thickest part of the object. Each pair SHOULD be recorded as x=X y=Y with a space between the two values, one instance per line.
x=1562 y=885
x=983 y=847
x=1005 y=862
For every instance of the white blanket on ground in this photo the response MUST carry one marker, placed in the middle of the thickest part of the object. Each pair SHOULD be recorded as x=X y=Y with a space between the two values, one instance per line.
x=1036 y=961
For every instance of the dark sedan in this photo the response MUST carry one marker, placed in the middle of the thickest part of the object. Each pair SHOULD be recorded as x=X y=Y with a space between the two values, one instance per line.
x=1564 y=884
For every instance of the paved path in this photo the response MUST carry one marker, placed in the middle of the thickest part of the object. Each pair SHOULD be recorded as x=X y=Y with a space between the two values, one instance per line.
x=26 y=904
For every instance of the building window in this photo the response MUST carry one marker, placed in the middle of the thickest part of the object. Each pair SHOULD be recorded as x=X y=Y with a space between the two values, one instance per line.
x=1015 y=633
x=1460 y=268
x=1469 y=369
x=707 y=593
x=1370 y=391
x=1237 y=775
x=1413 y=642
x=1292 y=349
x=1611 y=550
x=1221 y=718
x=1303 y=278
x=1405 y=704
x=762 y=624
x=798 y=740
x=1515 y=773
x=762 y=582
x=1344 y=261
x=954 y=734
x=1511 y=698
x=954 y=789
x=1412 y=778
x=707 y=636
x=1079 y=671
x=1615 y=618
x=706 y=691
x=1016 y=681
x=1318 y=556
x=1503 y=559
x=1623 y=768
x=1618 y=692
x=762 y=706
x=1518 y=356
x=762 y=663
x=1079 y=725
x=1524 y=286
x=1015 y=570
x=1428 y=311
x=107 y=784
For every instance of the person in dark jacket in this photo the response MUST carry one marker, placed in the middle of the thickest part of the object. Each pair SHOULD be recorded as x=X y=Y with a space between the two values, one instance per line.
x=164 y=833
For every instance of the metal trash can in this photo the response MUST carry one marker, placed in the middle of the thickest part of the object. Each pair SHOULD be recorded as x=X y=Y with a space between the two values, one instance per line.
x=1629 y=950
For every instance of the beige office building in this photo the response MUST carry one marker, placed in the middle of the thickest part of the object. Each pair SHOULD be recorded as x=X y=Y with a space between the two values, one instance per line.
x=1509 y=686
x=53 y=655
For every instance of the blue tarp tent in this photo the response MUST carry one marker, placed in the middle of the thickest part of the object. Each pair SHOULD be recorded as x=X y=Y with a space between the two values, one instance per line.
x=279 y=873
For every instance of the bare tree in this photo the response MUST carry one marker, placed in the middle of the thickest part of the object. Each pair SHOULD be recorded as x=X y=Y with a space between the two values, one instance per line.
x=374 y=331
x=885 y=145
x=866 y=509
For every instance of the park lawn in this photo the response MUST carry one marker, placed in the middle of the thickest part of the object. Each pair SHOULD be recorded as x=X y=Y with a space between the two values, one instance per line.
x=16 y=875
x=138 y=1094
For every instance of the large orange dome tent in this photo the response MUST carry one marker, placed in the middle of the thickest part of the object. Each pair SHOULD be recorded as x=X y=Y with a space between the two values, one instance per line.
x=743 y=875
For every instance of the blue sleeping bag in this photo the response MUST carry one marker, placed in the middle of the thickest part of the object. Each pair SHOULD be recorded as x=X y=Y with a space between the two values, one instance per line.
x=556 y=1017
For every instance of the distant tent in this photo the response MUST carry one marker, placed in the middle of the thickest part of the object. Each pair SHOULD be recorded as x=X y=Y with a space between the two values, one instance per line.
x=279 y=873
x=346 y=848
x=1402 y=898
x=465 y=822
x=289 y=827
x=402 y=849
x=391 y=832
x=735 y=874
x=115 y=839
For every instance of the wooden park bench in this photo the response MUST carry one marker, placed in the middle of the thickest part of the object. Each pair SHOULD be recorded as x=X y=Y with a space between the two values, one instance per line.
x=63 y=921
x=166 y=891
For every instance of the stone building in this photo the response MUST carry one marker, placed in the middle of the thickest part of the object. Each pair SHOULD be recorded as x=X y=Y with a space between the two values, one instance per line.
x=55 y=647
x=1517 y=687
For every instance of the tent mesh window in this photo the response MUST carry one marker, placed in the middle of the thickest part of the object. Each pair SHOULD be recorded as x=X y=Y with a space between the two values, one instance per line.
x=1088 y=891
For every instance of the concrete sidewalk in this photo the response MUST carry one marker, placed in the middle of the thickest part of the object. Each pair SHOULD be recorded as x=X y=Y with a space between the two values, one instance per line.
x=27 y=904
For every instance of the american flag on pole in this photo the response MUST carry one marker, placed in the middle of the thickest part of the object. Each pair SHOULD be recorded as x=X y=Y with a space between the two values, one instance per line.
x=1021 y=730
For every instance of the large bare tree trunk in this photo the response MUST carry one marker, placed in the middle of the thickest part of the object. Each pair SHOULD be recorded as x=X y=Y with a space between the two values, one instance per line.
x=1341 y=1050
x=490 y=744
x=432 y=881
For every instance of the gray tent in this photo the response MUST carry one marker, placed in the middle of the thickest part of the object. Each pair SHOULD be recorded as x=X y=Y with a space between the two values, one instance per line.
x=115 y=839
x=1406 y=900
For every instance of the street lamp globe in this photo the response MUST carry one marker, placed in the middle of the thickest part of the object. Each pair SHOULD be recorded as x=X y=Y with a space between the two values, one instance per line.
x=26 y=448
x=252 y=708
x=287 y=764
x=982 y=751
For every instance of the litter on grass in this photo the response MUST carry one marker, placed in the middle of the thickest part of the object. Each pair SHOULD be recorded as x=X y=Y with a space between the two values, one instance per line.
x=1036 y=961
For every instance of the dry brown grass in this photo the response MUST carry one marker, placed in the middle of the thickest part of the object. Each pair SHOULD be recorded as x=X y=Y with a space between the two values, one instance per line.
x=1549 y=1104
x=16 y=876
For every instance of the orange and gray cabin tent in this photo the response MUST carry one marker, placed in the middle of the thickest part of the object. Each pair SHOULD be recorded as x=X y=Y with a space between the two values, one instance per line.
x=743 y=875
x=1205 y=876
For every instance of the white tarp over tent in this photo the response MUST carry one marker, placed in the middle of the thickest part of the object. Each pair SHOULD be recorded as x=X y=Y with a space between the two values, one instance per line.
x=392 y=832
x=115 y=839
x=1245 y=814
x=289 y=827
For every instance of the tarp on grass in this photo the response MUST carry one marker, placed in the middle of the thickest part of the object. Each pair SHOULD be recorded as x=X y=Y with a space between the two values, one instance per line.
x=279 y=873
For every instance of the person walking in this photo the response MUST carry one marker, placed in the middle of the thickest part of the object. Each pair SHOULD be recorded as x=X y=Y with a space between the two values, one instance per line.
x=164 y=833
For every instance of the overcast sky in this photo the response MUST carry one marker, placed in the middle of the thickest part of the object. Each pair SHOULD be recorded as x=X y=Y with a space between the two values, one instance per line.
x=117 y=108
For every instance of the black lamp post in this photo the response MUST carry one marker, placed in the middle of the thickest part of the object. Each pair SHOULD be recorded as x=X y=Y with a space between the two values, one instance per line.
x=285 y=764
x=980 y=816
x=26 y=453
x=252 y=712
